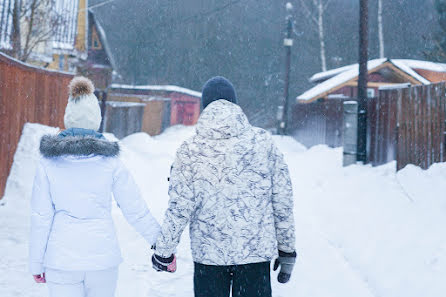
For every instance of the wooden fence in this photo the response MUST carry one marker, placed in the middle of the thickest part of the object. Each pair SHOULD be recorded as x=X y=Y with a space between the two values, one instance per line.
x=408 y=125
x=123 y=118
x=27 y=94
x=318 y=122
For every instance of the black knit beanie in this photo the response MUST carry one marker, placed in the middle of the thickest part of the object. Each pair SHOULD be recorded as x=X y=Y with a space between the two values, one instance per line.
x=217 y=88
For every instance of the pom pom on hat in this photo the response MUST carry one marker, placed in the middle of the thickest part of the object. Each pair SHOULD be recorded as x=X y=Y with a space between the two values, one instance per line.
x=83 y=109
x=79 y=86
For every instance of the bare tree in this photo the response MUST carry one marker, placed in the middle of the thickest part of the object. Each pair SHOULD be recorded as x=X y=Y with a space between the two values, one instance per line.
x=15 y=33
x=315 y=10
x=34 y=22
x=380 y=29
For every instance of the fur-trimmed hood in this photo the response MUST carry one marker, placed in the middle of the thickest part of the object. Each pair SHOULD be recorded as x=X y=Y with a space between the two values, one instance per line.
x=52 y=146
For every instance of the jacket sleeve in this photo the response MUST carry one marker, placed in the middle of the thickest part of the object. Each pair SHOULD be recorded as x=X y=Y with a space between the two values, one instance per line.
x=282 y=200
x=133 y=207
x=181 y=203
x=42 y=213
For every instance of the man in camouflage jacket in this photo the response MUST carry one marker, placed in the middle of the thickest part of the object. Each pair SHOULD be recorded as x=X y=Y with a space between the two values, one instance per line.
x=230 y=183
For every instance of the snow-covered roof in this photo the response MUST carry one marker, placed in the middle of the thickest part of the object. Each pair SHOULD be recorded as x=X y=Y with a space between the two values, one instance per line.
x=166 y=88
x=335 y=77
x=418 y=64
x=125 y=104
x=403 y=66
x=65 y=35
x=342 y=77
x=330 y=73
x=6 y=7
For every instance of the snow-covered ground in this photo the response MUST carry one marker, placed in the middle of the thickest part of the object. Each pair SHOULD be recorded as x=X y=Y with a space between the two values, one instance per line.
x=361 y=231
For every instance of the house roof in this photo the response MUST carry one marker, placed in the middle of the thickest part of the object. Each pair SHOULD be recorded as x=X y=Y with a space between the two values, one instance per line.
x=6 y=7
x=165 y=88
x=65 y=36
x=103 y=38
x=335 y=78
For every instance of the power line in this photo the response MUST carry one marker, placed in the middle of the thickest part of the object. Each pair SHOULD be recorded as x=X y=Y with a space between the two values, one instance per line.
x=100 y=4
x=201 y=14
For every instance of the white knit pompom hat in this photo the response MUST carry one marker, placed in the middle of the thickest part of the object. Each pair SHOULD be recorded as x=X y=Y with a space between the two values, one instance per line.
x=83 y=107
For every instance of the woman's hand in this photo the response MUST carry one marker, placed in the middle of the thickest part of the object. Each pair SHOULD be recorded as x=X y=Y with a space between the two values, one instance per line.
x=39 y=278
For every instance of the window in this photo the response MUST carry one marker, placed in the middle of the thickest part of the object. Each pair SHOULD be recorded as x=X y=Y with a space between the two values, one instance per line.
x=95 y=42
x=61 y=62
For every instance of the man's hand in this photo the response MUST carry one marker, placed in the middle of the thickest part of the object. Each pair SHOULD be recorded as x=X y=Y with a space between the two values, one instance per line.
x=164 y=264
x=286 y=262
x=39 y=278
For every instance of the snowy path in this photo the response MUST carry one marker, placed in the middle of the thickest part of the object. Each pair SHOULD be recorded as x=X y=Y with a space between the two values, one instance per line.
x=361 y=231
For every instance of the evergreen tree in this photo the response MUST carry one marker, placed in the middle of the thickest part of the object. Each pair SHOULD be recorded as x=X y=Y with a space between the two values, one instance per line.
x=438 y=50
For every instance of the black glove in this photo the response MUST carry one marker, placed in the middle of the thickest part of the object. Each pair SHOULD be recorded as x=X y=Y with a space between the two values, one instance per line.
x=164 y=264
x=286 y=262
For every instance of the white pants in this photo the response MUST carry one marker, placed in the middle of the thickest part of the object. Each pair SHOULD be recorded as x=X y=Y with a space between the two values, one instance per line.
x=101 y=283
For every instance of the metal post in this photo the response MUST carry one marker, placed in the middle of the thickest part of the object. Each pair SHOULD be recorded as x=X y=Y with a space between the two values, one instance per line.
x=362 y=81
x=350 y=144
x=103 y=97
x=288 y=43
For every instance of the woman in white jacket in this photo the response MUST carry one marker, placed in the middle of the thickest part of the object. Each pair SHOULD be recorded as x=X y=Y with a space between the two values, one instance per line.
x=73 y=245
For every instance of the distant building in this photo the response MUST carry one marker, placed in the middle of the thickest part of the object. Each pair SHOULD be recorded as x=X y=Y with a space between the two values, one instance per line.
x=381 y=72
x=164 y=105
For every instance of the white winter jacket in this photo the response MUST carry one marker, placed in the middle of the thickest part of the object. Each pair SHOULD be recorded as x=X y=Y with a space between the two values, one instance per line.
x=71 y=222
x=233 y=186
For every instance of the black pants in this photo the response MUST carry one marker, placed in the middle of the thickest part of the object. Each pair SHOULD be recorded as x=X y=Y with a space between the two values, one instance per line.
x=250 y=280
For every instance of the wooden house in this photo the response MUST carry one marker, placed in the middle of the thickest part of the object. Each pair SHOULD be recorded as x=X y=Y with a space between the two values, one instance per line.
x=165 y=105
x=381 y=73
x=78 y=44
x=99 y=65
x=69 y=46
x=317 y=116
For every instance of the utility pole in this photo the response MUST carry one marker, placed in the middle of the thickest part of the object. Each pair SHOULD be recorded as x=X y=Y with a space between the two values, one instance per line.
x=362 y=81
x=282 y=115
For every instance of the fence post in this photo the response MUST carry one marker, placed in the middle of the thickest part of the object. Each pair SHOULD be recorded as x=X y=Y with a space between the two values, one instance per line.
x=103 y=110
x=350 y=132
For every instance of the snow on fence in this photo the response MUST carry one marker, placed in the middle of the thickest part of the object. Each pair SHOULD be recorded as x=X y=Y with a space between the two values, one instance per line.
x=27 y=94
x=408 y=125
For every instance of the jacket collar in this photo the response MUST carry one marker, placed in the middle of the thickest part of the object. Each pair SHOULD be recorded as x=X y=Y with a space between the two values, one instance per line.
x=221 y=120
x=66 y=144
x=81 y=132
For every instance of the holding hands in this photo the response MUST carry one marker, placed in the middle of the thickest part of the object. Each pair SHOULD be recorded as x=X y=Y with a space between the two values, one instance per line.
x=164 y=264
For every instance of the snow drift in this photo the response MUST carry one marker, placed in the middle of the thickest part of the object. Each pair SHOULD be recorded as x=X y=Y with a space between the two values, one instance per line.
x=361 y=231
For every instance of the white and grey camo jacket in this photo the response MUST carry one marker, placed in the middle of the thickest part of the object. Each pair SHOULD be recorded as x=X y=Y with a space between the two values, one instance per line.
x=230 y=182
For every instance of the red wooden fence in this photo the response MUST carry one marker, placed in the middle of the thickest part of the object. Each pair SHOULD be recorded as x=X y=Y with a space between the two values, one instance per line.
x=27 y=94
x=408 y=125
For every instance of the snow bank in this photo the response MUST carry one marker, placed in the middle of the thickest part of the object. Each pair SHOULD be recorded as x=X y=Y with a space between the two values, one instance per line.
x=20 y=179
x=361 y=231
